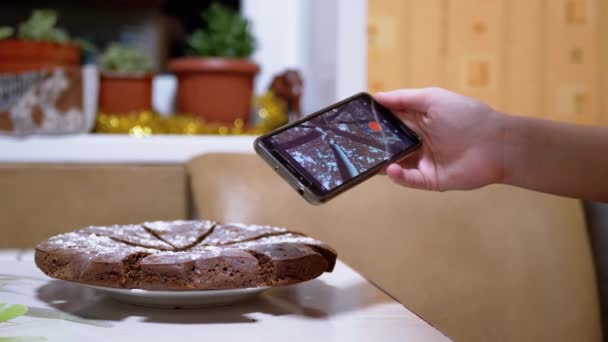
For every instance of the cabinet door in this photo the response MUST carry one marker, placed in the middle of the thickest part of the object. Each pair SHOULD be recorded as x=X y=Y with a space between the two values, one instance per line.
x=387 y=45
x=570 y=61
x=543 y=58
x=427 y=49
x=476 y=59
x=406 y=44
x=524 y=53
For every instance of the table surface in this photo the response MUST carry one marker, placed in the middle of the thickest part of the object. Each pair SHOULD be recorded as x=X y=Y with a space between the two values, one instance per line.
x=338 y=306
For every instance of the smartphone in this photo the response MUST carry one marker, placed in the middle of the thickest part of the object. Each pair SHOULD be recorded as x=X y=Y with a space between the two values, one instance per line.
x=332 y=150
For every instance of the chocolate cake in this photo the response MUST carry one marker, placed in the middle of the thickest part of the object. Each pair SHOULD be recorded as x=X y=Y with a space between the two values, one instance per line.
x=184 y=255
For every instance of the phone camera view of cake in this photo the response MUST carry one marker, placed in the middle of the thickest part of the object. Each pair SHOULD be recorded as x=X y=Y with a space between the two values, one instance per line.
x=342 y=143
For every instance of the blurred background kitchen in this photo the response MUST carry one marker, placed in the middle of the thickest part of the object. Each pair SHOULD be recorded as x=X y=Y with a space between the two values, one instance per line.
x=106 y=107
x=539 y=58
x=322 y=42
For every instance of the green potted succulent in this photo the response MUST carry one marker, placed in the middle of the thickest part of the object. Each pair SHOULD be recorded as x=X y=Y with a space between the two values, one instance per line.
x=125 y=80
x=38 y=44
x=215 y=80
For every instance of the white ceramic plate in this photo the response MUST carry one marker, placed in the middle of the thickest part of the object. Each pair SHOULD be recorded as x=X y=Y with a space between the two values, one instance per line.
x=181 y=299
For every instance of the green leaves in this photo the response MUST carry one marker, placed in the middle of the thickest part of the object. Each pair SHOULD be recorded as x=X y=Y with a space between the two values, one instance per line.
x=10 y=311
x=6 y=32
x=24 y=339
x=122 y=58
x=85 y=45
x=227 y=35
x=41 y=26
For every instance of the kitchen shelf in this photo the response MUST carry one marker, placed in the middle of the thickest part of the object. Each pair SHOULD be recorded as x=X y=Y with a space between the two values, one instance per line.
x=111 y=148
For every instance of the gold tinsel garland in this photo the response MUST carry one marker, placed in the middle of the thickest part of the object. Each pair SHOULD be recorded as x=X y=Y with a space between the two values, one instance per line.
x=270 y=113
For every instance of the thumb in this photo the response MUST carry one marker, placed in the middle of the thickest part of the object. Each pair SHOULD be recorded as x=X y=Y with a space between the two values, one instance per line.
x=405 y=99
x=411 y=178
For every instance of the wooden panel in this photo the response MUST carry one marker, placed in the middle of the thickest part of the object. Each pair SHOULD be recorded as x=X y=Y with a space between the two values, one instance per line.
x=602 y=42
x=524 y=75
x=476 y=60
x=387 y=45
x=539 y=58
x=427 y=49
x=570 y=61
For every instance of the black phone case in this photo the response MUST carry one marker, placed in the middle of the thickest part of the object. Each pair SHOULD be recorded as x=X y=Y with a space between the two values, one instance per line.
x=295 y=179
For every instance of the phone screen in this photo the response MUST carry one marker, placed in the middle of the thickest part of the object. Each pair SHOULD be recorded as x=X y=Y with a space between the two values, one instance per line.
x=337 y=145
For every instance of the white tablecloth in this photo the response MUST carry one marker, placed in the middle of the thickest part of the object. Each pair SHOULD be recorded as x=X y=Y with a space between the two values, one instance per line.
x=338 y=306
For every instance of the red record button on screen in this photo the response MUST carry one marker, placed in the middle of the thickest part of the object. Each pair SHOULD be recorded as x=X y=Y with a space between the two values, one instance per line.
x=374 y=126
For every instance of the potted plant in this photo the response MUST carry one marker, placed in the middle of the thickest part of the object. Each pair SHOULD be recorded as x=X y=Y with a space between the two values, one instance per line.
x=215 y=81
x=43 y=93
x=126 y=80
x=38 y=45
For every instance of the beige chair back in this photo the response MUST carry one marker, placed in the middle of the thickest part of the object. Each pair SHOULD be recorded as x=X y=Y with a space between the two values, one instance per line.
x=39 y=201
x=497 y=264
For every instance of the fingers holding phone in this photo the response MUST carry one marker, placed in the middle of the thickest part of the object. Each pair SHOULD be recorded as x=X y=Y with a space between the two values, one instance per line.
x=463 y=144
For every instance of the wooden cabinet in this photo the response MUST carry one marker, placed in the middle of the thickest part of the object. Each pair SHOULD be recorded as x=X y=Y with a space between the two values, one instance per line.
x=544 y=58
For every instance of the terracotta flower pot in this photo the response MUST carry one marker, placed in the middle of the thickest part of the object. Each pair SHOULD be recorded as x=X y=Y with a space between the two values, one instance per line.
x=121 y=93
x=26 y=55
x=216 y=89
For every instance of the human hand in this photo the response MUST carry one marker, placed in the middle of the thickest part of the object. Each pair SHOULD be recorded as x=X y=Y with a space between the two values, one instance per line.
x=461 y=140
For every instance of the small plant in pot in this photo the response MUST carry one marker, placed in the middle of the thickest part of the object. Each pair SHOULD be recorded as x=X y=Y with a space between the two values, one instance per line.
x=126 y=80
x=38 y=45
x=215 y=81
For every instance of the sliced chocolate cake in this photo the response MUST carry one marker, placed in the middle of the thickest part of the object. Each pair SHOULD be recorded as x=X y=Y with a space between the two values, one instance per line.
x=184 y=255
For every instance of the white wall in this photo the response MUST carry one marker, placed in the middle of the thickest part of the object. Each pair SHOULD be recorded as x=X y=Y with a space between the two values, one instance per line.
x=275 y=24
x=324 y=39
x=351 y=51
x=318 y=38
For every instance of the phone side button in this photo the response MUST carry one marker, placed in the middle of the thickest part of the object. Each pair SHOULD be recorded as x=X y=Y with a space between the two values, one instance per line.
x=305 y=182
